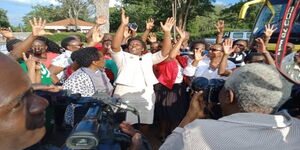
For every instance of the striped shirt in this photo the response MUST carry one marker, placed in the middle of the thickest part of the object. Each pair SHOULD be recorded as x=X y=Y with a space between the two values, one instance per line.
x=240 y=131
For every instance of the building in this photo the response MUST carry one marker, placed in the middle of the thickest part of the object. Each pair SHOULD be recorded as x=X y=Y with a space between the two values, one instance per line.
x=69 y=25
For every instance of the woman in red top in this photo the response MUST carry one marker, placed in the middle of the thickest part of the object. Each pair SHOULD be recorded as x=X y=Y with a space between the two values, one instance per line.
x=171 y=96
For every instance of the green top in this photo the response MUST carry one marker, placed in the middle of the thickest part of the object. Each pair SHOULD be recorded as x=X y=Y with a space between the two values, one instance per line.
x=45 y=73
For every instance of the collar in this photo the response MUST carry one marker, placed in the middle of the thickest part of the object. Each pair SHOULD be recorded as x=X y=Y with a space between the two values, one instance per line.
x=68 y=53
x=296 y=67
x=279 y=120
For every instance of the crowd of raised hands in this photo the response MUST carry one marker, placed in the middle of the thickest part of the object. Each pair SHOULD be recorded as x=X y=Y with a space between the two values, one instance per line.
x=216 y=56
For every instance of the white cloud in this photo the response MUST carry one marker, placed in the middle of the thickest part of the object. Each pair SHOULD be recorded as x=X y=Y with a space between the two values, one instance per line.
x=32 y=2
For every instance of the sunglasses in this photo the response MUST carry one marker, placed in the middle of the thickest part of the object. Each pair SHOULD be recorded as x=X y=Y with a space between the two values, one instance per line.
x=198 y=48
x=258 y=61
x=240 y=45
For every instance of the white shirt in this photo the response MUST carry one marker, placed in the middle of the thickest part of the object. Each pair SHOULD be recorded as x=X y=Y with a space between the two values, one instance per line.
x=3 y=49
x=240 y=131
x=179 y=77
x=136 y=71
x=203 y=70
x=63 y=60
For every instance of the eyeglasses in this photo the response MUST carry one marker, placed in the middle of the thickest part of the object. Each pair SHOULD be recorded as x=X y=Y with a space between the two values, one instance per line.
x=198 y=48
x=78 y=46
x=258 y=61
x=213 y=49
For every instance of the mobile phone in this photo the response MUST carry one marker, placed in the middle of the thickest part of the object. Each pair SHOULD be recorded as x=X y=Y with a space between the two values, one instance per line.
x=133 y=26
x=204 y=53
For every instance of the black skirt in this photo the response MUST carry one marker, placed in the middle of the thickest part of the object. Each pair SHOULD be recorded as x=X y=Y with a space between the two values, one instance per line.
x=171 y=104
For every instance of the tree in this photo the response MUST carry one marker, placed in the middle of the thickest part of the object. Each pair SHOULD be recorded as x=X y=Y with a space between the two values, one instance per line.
x=50 y=13
x=102 y=8
x=186 y=9
x=230 y=16
x=3 y=19
x=74 y=8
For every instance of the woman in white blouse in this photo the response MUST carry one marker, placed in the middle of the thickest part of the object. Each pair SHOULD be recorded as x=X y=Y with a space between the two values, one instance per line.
x=135 y=77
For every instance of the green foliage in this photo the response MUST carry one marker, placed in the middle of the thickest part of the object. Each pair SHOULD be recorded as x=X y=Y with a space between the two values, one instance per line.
x=58 y=37
x=3 y=19
x=137 y=14
x=230 y=16
x=51 y=13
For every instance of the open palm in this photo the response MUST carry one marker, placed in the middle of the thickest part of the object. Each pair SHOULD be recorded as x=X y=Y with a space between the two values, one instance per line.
x=168 y=24
x=38 y=27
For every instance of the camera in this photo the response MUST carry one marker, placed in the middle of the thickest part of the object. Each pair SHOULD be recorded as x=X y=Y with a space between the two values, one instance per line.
x=211 y=88
x=97 y=118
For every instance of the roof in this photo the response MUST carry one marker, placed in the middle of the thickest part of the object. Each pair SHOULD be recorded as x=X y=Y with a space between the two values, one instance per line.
x=70 y=22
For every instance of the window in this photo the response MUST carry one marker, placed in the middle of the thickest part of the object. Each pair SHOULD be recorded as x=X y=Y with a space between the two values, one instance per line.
x=237 y=35
x=248 y=35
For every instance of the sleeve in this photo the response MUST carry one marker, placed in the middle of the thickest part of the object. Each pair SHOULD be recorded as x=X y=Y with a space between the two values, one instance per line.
x=158 y=58
x=118 y=57
x=230 y=65
x=78 y=83
x=61 y=61
x=174 y=141
x=189 y=70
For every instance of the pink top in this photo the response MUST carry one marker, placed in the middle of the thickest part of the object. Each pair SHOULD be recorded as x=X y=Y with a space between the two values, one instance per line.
x=50 y=56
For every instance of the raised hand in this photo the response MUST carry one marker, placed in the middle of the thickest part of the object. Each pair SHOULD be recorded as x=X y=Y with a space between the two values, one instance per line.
x=149 y=24
x=29 y=61
x=127 y=33
x=152 y=37
x=124 y=19
x=220 y=26
x=181 y=33
x=6 y=33
x=227 y=46
x=269 y=30
x=261 y=46
x=168 y=24
x=96 y=36
x=38 y=27
x=101 y=20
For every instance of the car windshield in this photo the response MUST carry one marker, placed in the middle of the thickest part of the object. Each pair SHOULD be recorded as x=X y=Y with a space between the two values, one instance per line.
x=270 y=14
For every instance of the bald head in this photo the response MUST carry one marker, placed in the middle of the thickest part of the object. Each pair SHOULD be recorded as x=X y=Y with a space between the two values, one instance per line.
x=14 y=79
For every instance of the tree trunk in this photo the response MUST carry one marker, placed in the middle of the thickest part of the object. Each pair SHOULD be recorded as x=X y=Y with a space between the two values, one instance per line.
x=187 y=10
x=102 y=8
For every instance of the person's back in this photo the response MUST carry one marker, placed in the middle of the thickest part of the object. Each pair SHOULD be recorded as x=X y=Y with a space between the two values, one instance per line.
x=249 y=100
x=247 y=131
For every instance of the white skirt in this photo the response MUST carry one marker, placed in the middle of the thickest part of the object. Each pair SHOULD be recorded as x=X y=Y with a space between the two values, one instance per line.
x=142 y=99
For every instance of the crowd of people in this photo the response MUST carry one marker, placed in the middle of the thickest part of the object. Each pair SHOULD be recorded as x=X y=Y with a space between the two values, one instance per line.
x=157 y=80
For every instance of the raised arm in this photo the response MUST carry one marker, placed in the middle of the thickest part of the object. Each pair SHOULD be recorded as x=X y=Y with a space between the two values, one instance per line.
x=228 y=49
x=167 y=45
x=96 y=37
x=268 y=33
x=149 y=27
x=7 y=33
x=220 y=28
x=117 y=40
x=262 y=49
x=126 y=35
x=174 y=52
x=101 y=20
x=37 y=30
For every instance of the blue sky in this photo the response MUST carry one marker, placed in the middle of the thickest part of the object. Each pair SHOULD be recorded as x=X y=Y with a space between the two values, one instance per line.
x=16 y=9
